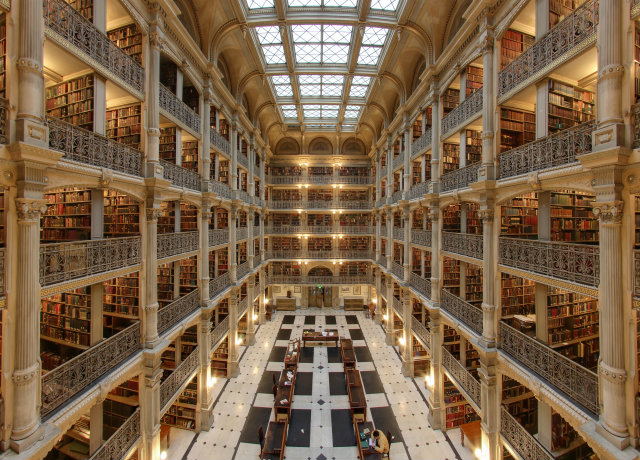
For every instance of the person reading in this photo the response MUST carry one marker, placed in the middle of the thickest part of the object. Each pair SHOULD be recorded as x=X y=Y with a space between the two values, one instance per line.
x=381 y=444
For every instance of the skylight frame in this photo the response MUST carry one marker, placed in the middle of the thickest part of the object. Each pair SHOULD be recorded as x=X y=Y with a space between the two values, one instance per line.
x=321 y=85
x=322 y=4
x=253 y=5
x=322 y=44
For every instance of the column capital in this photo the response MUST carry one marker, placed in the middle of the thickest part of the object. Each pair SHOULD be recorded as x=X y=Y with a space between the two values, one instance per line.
x=30 y=210
x=153 y=213
x=609 y=212
x=485 y=214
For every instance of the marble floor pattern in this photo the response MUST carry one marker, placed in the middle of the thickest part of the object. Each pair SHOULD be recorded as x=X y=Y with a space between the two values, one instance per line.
x=320 y=427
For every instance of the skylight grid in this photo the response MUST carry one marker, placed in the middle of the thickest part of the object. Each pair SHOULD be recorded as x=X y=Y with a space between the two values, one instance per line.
x=322 y=3
x=320 y=111
x=369 y=55
x=316 y=44
x=359 y=86
x=274 y=54
x=341 y=3
x=385 y=5
x=303 y=3
x=268 y=35
x=374 y=36
x=256 y=4
x=352 y=111
x=321 y=85
x=289 y=111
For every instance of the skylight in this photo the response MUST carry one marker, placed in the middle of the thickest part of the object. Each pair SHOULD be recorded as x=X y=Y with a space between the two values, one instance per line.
x=255 y=4
x=321 y=85
x=352 y=111
x=282 y=84
x=320 y=111
x=372 y=42
x=321 y=44
x=271 y=43
x=289 y=111
x=359 y=86
x=385 y=5
x=327 y=3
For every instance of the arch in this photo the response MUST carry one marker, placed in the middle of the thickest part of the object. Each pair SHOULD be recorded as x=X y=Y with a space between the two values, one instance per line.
x=417 y=71
x=419 y=32
x=455 y=21
x=189 y=20
x=353 y=146
x=224 y=69
x=243 y=83
x=258 y=111
x=398 y=84
x=320 y=271
x=218 y=35
x=287 y=146
x=320 y=146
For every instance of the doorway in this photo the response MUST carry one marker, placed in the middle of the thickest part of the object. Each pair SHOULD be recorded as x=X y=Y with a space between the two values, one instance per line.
x=320 y=297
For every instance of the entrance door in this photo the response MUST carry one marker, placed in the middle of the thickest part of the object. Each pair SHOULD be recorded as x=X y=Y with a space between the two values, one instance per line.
x=319 y=297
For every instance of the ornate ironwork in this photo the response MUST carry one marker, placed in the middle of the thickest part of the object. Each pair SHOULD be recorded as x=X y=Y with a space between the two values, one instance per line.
x=421 y=237
x=383 y=260
x=421 y=144
x=219 y=142
x=577 y=382
x=329 y=254
x=423 y=334
x=218 y=236
x=120 y=442
x=64 y=382
x=397 y=196
x=220 y=189
x=398 y=233
x=558 y=149
x=91 y=148
x=636 y=274
x=460 y=178
x=383 y=172
x=170 y=387
x=243 y=160
x=462 y=310
x=68 y=261
x=398 y=307
x=569 y=37
x=465 y=244
x=461 y=375
x=418 y=190
x=422 y=285
x=181 y=177
x=398 y=161
x=383 y=231
x=635 y=116
x=242 y=233
x=178 y=110
x=577 y=263
x=397 y=270
x=356 y=229
x=219 y=332
x=243 y=306
x=172 y=244
x=2 y=276
x=465 y=112
x=520 y=440
x=219 y=284
x=290 y=279
x=288 y=229
x=4 y=121
x=242 y=270
x=61 y=19
x=171 y=314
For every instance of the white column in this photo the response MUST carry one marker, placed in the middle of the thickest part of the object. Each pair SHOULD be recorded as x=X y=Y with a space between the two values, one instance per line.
x=407 y=220
x=251 y=328
x=203 y=256
x=152 y=103
x=150 y=308
x=234 y=297
x=436 y=399
x=488 y=107
x=436 y=224
x=407 y=356
x=233 y=174
x=407 y=161
x=205 y=398
x=233 y=263
x=205 y=153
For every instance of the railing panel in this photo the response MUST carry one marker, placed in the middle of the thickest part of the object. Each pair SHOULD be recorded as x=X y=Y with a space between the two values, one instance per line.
x=356 y=229
x=422 y=143
x=171 y=314
x=286 y=229
x=221 y=189
x=577 y=263
x=465 y=244
x=242 y=270
x=4 y=121
x=64 y=382
x=422 y=285
x=91 y=148
x=170 y=103
x=397 y=306
x=397 y=196
x=460 y=178
x=219 y=142
x=577 y=382
x=68 y=261
x=219 y=284
x=178 y=377
x=469 y=108
x=218 y=236
x=243 y=161
x=398 y=270
x=117 y=446
x=559 y=149
x=172 y=244
x=181 y=177
x=520 y=440
x=418 y=190
x=398 y=233
x=243 y=306
x=219 y=332
x=422 y=333
x=398 y=161
x=290 y=279
x=421 y=237
x=636 y=274
x=462 y=310
x=242 y=233
x=461 y=375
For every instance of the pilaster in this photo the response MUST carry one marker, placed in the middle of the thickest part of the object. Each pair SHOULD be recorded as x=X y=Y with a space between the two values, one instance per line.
x=150 y=307
x=205 y=398
x=436 y=399
x=233 y=225
x=490 y=398
x=489 y=310
x=234 y=297
x=205 y=218
x=149 y=394
x=251 y=328
x=152 y=104
x=388 y=326
x=407 y=355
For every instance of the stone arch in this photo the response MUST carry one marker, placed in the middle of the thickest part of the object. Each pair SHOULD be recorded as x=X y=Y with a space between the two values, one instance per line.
x=320 y=146
x=455 y=21
x=320 y=270
x=189 y=19
x=287 y=146
x=353 y=146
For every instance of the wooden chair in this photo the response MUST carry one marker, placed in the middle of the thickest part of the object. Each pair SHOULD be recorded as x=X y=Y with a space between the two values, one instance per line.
x=261 y=439
x=275 y=390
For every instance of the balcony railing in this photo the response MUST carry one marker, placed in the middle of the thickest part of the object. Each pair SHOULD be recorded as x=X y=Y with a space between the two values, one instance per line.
x=242 y=270
x=90 y=148
x=397 y=196
x=218 y=236
x=635 y=119
x=180 y=177
x=418 y=190
x=2 y=276
x=220 y=189
x=219 y=284
x=421 y=237
x=320 y=180
x=64 y=382
x=172 y=244
x=567 y=39
x=170 y=387
x=577 y=263
x=398 y=161
x=328 y=254
x=242 y=233
x=219 y=332
x=462 y=310
x=398 y=270
x=421 y=284
x=120 y=442
x=219 y=142
x=397 y=306
x=344 y=279
x=68 y=261
x=461 y=375
x=636 y=274
x=398 y=233
x=383 y=231
x=4 y=121
x=470 y=108
x=465 y=244
x=558 y=149
x=320 y=204
x=64 y=23
x=171 y=314
x=287 y=229
x=577 y=382
x=460 y=178
x=423 y=334
x=243 y=161
x=422 y=143
x=383 y=172
x=520 y=440
x=243 y=306
x=178 y=110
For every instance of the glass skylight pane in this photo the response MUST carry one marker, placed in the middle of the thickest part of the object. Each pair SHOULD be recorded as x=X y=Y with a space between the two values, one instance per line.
x=274 y=54
x=284 y=90
x=351 y=113
x=305 y=2
x=329 y=113
x=369 y=55
x=306 y=33
x=268 y=35
x=353 y=107
x=386 y=5
x=281 y=80
x=358 y=91
x=374 y=36
x=335 y=54
x=309 y=79
x=337 y=34
x=253 y=4
x=361 y=80
x=331 y=90
x=308 y=53
x=290 y=113
x=311 y=113
x=342 y=3
x=332 y=79
x=310 y=90
x=288 y=107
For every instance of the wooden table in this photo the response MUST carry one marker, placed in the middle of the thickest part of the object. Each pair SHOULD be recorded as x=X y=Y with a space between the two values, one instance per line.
x=275 y=440
x=357 y=398
x=330 y=335
x=366 y=453
x=293 y=354
x=473 y=433
x=283 y=408
x=353 y=377
x=348 y=354
x=284 y=377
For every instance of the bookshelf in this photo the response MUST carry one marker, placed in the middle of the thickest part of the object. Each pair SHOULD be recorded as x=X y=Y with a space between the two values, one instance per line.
x=318 y=194
x=129 y=39
x=121 y=215
x=450 y=157
x=191 y=97
x=451 y=275
x=358 y=243
x=559 y=9
x=84 y=7
x=286 y=268
x=518 y=295
x=285 y=219
x=220 y=359
x=451 y=218
x=474 y=79
x=188 y=217
x=512 y=45
x=457 y=410
x=355 y=219
x=474 y=146
x=279 y=243
x=474 y=224
x=636 y=217
x=572 y=217
x=121 y=297
x=354 y=269
x=114 y=414
x=520 y=403
x=127 y=392
x=182 y=413
x=222 y=216
x=66 y=318
x=353 y=171
x=3 y=55
x=224 y=128
x=72 y=101
x=2 y=220
x=167 y=218
x=320 y=244
x=223 y=261
x=220 y=312
x=74 y=444
x=166 y=285
x=519 y=217
x=188 y=275
x=636 y=62
x=168 y=144
x=421 y=359
x=517 y=127
x=568 y=106
x=473 y=285
x=223 y=172
x=68 y=216
x=292 y=195
x=353 y=195
x=471 y=358
x=124 y=125
x=450 y=100
x=291 y=171
x=190 y=155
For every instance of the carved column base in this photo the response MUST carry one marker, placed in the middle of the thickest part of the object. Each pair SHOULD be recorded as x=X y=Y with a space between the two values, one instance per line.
x=206 y=418
x=32 y=132
x=407 y=367
x=21 y=445
x=389 y=337
x=250 y=338
x=436 y=416
x=234 y=368
x=621 y=442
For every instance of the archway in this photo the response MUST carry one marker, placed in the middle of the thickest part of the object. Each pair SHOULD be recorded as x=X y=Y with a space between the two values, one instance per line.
x=319 y=294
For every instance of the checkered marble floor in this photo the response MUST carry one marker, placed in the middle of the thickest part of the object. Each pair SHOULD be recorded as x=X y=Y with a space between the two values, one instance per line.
x=320 y=426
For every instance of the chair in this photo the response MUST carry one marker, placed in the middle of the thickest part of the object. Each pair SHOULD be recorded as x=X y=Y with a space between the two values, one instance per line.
x=389 y=438
x=275 y=390
x=261 y=439
x=274 y=378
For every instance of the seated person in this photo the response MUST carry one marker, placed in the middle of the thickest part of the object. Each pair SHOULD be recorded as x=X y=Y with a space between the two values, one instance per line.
x=381 y=444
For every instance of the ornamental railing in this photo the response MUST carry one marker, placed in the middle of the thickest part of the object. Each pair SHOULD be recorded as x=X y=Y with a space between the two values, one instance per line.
x=356 y=229
x=635 y=117
x=559 y=149
x=420 y=284
x=242 y=270
x=170 y=387
x=383 y=172
x=460 y=178
x=418 y=190
x=383 y=231
x=320 y=204
x=568 y=38
x=243 y=306
x=397 y=196
x=219 y=332
x=220 y=189
x=243 y=195
x=397 y=270
x=462 y=310
x=219 y=142
x=63 y=21
x=172 y=244
x=520 y=440
x=90 y=148
x=636 y=274
x=171 y=314
x=421 y=144
x=242 y=233
x=465 y=244
x=328 y=254
x=218 y=236
x=461 y=375
x=344 y=279
x=577 y=263
x=2 y=275
x=178 y=110
x=4 y=121
x=397 y=306
x=243 y=161
x=398 y=161
x=421 y=237
x=68 y=261
x=64 y=382
x=180 y=177
x=120 y=442
x=286 y=229
x=465 y=112
x=219 y=284
x=398 y=233
x=577 y=382
x=423 y=334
